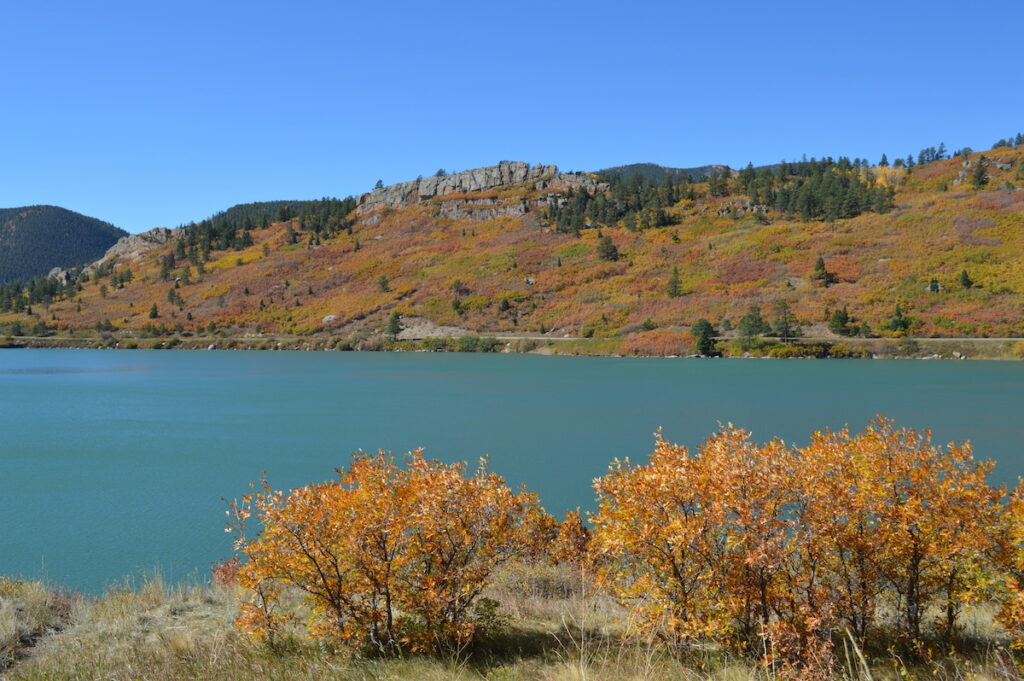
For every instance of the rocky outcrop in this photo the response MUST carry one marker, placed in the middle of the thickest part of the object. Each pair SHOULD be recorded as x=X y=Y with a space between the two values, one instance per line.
x=482 y=209
x=60 y=275
x=505 y=174
x=134 y=246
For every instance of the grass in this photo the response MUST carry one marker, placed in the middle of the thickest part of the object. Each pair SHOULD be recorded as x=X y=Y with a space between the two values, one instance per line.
x=553 y=627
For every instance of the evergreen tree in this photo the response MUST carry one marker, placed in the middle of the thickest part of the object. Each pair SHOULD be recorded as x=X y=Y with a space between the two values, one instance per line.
x=704 y=334
x=752 y=325
x=898 y=321
x=394 y=325
x=785 y=325
x=884 y=163
x=153 y=312
x=965 y=279
x=979 y=177
x=820 y=274
x=674 y=287
x=606 y=250
x=839 y=323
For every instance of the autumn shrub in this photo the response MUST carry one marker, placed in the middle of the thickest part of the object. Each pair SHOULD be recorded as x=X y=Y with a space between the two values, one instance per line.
x=798 y=350
x=659 y=342
x=388 y=556
x=772 y=549
x=841 y=351
x=572 y=540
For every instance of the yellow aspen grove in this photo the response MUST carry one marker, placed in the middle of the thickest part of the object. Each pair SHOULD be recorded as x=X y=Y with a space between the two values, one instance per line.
x=387 y=556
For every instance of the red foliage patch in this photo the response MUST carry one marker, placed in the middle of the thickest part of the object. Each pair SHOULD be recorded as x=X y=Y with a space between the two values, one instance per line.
x=661 y=342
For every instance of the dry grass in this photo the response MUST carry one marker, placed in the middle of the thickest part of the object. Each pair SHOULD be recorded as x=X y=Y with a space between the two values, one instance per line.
x=556 y=629
x=28 y=611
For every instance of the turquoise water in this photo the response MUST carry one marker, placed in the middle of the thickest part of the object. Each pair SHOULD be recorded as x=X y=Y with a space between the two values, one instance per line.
x=114 y=463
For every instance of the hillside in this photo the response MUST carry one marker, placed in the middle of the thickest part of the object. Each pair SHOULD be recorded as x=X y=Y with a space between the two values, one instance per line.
x=658 y=173
x=933 y=250
x=35 y=239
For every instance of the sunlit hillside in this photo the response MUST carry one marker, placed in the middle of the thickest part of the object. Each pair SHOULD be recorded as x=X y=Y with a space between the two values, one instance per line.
x=949 y=252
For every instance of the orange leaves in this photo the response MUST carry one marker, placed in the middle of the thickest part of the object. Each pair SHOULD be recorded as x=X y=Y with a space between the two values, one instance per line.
x=769 y=549
x=387 y=555
x=772 y=546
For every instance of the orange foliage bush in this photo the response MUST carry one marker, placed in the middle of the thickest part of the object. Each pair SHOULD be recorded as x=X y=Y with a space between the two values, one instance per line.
x=572 y=540
x=773 y=548
x=387 y=556
x=660 y=342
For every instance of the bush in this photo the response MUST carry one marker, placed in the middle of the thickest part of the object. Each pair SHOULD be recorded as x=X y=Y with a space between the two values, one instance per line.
x=435 y=344
x=770 y=548
x=388 y=556
x=467 y=344
x=659 y=343
x=796 y=351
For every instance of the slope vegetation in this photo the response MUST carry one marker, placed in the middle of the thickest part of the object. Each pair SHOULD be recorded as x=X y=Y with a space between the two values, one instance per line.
x=35 y=239
x=933 y=250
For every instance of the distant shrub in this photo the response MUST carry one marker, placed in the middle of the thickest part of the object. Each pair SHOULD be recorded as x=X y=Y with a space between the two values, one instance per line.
x=467 y=343
x=435 y=344
x=840 y=351
x=797 y=351
x=659 y=343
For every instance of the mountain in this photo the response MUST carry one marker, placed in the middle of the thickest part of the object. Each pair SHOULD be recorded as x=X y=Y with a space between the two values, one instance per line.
x=657 y=173
x=932 y=250
x=35 y=239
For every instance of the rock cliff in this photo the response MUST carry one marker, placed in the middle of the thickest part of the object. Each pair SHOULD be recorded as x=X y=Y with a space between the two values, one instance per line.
x=545 y=178
x=134 y=246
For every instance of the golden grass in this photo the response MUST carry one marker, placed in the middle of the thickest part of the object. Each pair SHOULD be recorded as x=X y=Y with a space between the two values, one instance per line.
x=556 y=628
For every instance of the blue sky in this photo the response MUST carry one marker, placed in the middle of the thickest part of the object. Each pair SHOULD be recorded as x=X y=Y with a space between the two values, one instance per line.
x=157 y=113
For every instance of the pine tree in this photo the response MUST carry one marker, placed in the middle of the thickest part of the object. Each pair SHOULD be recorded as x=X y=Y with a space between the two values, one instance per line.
x=979 y=177
x=821 y=274
x=839 y=323
x=606 y=250
x=752 y=325
x=704 y=334
x=784 y=327
x=394 y=325
x=965 y=279
x=674 y=288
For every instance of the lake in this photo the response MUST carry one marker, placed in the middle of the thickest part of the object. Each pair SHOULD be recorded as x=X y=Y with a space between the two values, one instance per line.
x=114 y=463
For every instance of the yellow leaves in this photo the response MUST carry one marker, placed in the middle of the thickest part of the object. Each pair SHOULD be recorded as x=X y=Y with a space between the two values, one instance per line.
x=420 y=539
x=749 y=535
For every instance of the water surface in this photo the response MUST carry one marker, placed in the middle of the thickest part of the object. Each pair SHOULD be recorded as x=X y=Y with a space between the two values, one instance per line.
x=115 y=462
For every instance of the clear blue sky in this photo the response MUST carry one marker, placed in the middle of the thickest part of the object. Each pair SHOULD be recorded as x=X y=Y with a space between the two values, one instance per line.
x=157 y=113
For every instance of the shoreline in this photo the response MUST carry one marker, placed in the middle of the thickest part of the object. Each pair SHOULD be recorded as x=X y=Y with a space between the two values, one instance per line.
x=946 y=348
